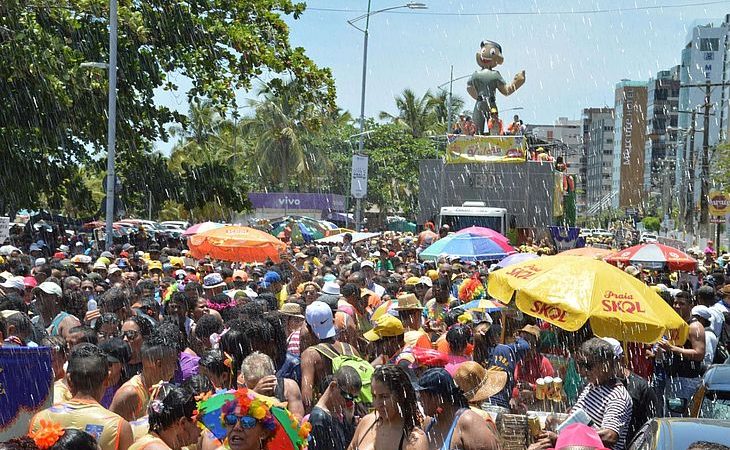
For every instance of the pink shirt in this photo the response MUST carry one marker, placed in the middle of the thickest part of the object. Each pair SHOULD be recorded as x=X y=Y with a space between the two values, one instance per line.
x=454 y=362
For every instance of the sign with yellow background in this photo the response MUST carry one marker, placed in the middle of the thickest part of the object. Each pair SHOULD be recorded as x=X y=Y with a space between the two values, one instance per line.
x=719 y=203
x=462 y=149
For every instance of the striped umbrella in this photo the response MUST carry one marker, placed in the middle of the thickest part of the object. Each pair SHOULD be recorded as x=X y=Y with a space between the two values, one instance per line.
x=469 y=247
x=654 y=256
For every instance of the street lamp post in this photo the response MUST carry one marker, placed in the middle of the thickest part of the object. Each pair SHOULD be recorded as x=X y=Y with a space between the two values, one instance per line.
x=112 y=123
x=366 y=16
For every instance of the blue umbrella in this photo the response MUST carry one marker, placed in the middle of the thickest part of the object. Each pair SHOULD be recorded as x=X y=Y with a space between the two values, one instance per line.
x=467 y=246
x=516 y=258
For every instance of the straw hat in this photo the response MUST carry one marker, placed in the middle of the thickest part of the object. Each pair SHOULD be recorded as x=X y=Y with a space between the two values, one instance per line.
x=479 y=383
x=408 y=302
x=292 y=310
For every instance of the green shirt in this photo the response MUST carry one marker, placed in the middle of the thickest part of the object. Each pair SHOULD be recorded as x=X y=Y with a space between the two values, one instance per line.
x=486 y=82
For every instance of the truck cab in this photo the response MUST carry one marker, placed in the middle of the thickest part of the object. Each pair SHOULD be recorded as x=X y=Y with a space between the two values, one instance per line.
x=474 y=214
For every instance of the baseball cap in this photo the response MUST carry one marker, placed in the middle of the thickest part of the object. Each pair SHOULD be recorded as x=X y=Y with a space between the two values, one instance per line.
x=385 y=326
x=113 y=268
x=272 y=277
x=154 y=265
x=618 y=351
x=30 y=282
x=329 y=277
x=702 y=311
x=320 y=318
x=50 y=288
x=367 y=263
x=425 y=280
x=240 y=274
x=300 y=255
x=412 y=281
x=437 y=381
x=106 y=254
x=14 y=283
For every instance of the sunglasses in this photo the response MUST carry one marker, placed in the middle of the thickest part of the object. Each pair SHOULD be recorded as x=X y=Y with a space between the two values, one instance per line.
x=347 y=396
x=130 y=334
x=247 y=422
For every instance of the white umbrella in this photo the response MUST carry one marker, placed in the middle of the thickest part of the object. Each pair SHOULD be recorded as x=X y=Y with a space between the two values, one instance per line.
x=356 y=237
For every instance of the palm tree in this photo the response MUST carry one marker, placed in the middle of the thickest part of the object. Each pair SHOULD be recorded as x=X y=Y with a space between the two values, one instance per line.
x=440 y=105
x=414 y=113
x=278 y=130
x=197 y=140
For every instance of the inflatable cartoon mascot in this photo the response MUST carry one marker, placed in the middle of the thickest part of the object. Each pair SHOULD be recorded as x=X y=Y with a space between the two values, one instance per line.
x=482 y=86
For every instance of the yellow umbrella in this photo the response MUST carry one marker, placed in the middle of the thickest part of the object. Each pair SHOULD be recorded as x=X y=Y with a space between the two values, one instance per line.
x=568 y=292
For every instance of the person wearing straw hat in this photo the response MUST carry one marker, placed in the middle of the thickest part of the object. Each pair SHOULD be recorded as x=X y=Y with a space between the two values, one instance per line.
x=451 y=422
x=410 y=313
x=479 y=384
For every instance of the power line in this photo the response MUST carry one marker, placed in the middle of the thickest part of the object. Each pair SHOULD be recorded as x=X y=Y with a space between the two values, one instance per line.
x=531 y=13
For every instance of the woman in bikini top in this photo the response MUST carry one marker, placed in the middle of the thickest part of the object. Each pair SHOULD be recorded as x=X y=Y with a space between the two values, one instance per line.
x=396 y=417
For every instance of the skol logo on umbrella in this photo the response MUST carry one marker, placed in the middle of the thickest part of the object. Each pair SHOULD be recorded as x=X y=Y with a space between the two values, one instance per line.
x=621 y=302
x=550 y=312
x=524 y=272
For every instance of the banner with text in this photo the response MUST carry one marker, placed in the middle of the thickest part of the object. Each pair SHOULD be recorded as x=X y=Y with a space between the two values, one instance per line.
x=462 y=149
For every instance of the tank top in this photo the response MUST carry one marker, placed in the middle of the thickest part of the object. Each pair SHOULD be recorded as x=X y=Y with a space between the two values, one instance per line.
x=143 y=395
x=682 y=367
x=88 y=416
x=56 y=322
x=146 y=440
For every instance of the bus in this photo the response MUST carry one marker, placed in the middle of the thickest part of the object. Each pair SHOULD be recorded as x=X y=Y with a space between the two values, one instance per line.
x=474 y=214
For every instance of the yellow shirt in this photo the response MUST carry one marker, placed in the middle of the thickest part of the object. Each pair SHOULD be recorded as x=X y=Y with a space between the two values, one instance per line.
x=143 y=395
x=145 y=440
x=88 y=416
x=140 y=427
x=61 y=393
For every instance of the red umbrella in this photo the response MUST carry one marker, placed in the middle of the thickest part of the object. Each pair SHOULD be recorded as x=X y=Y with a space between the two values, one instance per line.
x=654 y=256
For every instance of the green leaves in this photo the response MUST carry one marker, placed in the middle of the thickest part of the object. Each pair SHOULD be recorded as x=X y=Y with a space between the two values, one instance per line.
x=51 y=109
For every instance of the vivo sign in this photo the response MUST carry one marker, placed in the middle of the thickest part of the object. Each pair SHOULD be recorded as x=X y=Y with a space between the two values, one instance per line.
x=322 y=202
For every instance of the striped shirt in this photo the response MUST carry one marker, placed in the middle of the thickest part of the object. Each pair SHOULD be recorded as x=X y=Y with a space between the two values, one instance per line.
x=293 y=343
x=609 y=406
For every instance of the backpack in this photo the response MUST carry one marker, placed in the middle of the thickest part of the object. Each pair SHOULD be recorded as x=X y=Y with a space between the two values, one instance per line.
x=349 y=359
x=291 y=368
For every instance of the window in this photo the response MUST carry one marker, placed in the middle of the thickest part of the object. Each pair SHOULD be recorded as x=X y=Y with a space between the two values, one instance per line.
x=709 y=44
x=661 y=94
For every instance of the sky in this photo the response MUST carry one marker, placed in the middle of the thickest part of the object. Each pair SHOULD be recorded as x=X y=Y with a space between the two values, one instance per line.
x=573 y=52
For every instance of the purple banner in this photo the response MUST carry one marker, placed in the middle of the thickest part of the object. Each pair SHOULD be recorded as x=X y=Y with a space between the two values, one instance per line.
x=292 y=200
x=566 y=238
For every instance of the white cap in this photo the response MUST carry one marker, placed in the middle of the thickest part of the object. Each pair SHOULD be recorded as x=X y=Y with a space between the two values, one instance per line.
x=64 y=248
x=616 y=345
x=425 y=280
x=113 y=268
x=702 y=311
x=40 y=261
x=367 y=263
x=50 y=288
x=14 y=283
x=321 y=320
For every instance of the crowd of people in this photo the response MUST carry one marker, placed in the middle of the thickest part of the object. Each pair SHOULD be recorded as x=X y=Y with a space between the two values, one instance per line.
x=364 y=345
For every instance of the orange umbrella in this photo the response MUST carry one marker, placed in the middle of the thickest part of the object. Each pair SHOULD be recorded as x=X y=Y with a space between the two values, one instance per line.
x=591 y=252
x=236 y=243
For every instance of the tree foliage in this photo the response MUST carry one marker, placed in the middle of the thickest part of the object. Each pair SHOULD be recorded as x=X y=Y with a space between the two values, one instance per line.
x=53 y=111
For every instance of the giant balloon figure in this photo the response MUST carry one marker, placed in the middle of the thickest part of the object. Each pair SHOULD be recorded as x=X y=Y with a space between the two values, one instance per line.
x=484 y=83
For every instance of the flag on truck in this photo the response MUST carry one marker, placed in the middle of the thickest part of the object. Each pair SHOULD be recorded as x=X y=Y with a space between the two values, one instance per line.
x=462 y=149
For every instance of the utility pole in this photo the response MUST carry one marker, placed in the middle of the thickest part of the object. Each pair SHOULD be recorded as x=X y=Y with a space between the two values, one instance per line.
x=705 y=181
x=689 y=211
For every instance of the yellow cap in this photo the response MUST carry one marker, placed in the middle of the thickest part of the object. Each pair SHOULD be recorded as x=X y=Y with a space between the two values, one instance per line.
x=385 y=326
x=433 y=275
x=412 y=281
x=154 y=265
